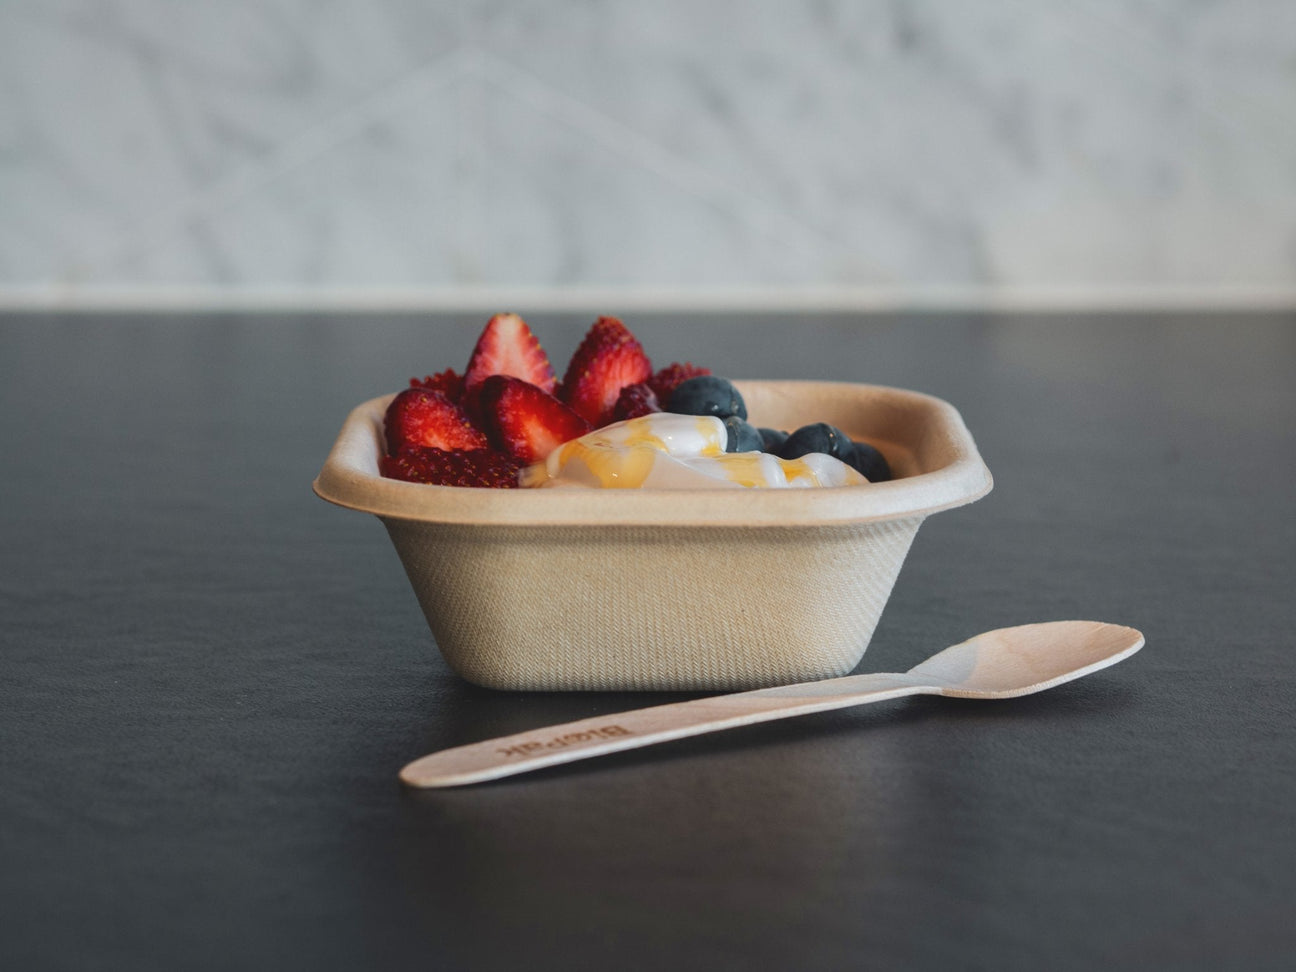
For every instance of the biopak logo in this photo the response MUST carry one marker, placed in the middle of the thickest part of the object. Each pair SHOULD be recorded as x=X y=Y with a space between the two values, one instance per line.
x=532 y=746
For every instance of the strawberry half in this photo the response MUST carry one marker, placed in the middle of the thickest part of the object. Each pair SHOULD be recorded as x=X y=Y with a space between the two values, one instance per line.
x=422 y=417
x=608 y=359
x=507 y=347
x=635 y=401
x=525 y=421
x=672 y=376
x=440 y=467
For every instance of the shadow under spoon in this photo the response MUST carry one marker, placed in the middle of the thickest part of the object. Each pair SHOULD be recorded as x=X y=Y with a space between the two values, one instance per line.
x=999 y=664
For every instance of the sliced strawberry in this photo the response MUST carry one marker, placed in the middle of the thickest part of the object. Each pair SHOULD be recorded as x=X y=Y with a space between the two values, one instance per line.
x=422 y=417
x=525 y=421
x=449 y=383
x=634 y=401
x=507 y=347
x=608 y=359
x=669 y=378
x=440 y=467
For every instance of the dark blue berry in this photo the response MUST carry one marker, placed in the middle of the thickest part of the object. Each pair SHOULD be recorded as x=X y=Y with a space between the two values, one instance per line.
x=707 y=395
x=819 y=437
x=771 y=439
x=871 y=464
x=743 y=436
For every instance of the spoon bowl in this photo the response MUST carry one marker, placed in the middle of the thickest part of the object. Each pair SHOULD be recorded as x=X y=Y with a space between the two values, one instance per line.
x=1000 y=664
x=1010 y=662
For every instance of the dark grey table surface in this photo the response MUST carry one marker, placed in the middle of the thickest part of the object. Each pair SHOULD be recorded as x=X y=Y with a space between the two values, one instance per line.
x=209 y=678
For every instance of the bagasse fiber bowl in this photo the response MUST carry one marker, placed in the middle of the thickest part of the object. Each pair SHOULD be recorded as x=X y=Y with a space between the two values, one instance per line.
x=630 y=589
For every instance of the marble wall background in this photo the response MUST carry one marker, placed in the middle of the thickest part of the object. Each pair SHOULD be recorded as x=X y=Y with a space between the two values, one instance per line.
x=647 y=143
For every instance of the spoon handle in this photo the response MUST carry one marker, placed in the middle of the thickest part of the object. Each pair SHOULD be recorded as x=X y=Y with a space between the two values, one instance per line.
x=525 y=751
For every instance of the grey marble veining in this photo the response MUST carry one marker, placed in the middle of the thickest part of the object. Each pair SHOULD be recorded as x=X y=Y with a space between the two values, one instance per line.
x=678 y=143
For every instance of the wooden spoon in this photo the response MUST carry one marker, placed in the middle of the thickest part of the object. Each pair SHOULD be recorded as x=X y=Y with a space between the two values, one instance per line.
x=996 y=665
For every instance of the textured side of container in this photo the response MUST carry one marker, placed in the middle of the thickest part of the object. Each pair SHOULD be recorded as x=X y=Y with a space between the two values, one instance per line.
x=651 y=608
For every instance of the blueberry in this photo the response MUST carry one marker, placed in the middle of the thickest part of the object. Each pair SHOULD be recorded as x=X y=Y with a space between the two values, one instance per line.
x=707 y=395
x=771 y=439
x=871 y=464
x=743 y=436
x=819 y=437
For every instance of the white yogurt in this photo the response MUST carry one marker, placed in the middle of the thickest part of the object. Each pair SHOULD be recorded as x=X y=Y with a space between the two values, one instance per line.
x=667 y=451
